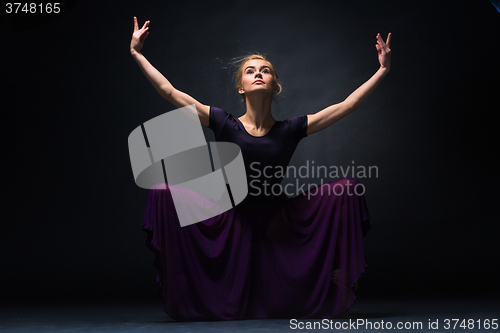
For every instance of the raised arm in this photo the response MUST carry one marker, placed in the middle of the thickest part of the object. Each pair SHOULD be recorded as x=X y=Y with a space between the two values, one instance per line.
x=324 y=118
x=159 y=82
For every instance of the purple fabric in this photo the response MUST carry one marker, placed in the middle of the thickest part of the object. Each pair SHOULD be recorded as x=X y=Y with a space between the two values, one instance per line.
x=273 y=257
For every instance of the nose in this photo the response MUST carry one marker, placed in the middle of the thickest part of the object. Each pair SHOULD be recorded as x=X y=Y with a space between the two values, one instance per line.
x=258 y=74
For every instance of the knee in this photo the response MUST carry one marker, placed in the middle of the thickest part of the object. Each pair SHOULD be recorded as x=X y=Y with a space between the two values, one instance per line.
x=160 y=186
x=347 y=182
x=348 y=186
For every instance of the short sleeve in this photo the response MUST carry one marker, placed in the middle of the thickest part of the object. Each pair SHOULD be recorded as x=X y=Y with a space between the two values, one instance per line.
x=216 y=120
x=298 y=127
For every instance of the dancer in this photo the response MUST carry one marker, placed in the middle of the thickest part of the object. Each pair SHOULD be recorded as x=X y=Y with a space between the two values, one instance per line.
x=271 y=256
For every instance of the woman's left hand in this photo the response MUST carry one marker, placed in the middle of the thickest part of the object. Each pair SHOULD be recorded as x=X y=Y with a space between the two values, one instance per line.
x=384 y=51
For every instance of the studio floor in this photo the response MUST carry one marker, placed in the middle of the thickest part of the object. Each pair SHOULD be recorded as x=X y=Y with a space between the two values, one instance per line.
x=366 y=315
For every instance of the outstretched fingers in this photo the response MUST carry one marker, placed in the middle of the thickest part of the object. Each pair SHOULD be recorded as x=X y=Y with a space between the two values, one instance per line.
x=383 y=50
x=381 y=45
x=136 y=27
x=145 y=26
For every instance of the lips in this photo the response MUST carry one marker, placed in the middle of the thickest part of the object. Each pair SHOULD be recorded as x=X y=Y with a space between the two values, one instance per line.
x=258 y=81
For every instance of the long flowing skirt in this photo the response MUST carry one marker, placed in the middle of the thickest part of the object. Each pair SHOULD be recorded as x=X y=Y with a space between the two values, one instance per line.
x=291 y=258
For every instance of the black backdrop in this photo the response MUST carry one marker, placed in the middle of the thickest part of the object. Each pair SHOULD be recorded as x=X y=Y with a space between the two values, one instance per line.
x=71 y=94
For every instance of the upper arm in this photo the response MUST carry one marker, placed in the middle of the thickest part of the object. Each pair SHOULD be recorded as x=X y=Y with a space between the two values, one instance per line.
x=180 y=99
x=324 y=118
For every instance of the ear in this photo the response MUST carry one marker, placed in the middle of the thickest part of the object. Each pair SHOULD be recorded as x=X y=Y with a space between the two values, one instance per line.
x=241 y=91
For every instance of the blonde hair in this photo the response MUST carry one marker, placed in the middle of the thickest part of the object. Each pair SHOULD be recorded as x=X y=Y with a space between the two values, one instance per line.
x=240 y=62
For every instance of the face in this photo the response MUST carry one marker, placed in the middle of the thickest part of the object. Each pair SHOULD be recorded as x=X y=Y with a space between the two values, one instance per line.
x=257 y=76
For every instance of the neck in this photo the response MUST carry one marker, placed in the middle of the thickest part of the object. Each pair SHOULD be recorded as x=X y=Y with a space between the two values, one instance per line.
x=258 y=111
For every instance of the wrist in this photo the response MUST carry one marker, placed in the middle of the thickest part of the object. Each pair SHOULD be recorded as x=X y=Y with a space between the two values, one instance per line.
x=383 y=70
x=134 y=52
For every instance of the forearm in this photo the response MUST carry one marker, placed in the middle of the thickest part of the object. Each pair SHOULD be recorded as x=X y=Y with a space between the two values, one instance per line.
x=159 y=82
x=324 y=118
x=354 y=100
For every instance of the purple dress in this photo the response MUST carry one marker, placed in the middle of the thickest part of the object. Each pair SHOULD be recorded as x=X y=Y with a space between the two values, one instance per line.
x=270 y=256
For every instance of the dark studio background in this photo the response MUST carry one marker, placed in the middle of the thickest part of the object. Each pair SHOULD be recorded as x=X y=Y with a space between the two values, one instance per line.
x=71 y=94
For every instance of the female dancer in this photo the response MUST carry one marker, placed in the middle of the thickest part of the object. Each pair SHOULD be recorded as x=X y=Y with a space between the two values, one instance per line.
x=271 y=256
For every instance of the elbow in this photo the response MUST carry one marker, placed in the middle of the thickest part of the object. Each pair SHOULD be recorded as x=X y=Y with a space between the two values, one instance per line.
x=166 y=91
x=349 y=106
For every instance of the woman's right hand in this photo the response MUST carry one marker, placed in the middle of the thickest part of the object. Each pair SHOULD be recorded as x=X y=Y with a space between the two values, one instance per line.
x=139 y=36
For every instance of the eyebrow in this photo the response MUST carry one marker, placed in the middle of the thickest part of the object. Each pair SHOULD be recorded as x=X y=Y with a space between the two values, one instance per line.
x=263 y=66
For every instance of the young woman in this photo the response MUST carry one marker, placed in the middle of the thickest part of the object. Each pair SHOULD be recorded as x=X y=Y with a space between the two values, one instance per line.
x=271 y=256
